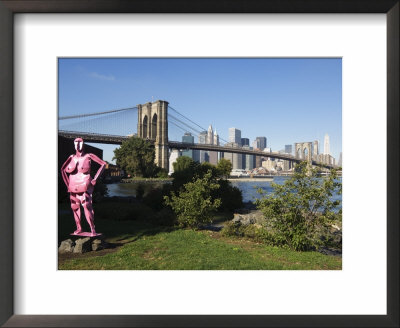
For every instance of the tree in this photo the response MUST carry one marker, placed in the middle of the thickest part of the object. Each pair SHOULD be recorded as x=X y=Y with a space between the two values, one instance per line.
x=185 y=169
x=224 y=168
x=193 y=204
x=136 y=157
x=297 y=211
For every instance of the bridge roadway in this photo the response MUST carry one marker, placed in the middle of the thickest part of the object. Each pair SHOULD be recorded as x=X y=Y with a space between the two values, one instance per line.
x=117 y=140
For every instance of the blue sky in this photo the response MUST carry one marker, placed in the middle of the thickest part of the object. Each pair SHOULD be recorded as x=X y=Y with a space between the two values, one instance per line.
x=285 y=100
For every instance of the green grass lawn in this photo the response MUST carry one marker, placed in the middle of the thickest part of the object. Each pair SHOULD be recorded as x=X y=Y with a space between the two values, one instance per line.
x=144 y=246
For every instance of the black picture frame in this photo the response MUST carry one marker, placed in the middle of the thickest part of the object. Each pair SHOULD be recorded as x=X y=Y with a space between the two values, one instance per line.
x=7 y=10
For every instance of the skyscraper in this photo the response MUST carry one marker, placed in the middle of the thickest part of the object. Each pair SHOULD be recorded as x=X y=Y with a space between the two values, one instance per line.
x=192 y=153
x=203 y=140
x=288 y=149
x=216 y=138
x=315 y=150
x=327 y=150
x=235 y=135
x=245 y=142
x=210 y=135
x=260 y=143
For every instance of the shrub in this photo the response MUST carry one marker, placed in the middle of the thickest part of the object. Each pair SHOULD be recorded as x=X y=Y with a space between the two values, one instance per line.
x=155 y=197
x=231 y=197
x=193 y=204
x=297 y=210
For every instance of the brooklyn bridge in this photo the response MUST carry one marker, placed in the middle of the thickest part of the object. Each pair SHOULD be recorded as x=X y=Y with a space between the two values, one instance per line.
x=153 y=123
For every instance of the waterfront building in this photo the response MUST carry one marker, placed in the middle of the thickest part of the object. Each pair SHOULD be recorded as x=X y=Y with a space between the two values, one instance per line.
x=247 y=160
x=288 y=149
x=269 y=164
x=236 y=159
x=327 y=150
x=174 y=154
x=340 y=159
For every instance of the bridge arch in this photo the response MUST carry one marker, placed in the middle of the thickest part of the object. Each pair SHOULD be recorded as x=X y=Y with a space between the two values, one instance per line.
x=154 y=127
x=145 y=123
x=298 y=153
x=303 y=151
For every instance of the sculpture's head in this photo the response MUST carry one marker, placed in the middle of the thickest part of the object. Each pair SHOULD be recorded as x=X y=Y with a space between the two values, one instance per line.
x=78 y=142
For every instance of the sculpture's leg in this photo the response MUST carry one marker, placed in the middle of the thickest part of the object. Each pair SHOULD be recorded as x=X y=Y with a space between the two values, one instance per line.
x=76 y=208
x=89 y=213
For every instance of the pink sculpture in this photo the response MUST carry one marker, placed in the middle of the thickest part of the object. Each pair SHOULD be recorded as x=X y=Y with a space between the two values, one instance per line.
x=80 y=185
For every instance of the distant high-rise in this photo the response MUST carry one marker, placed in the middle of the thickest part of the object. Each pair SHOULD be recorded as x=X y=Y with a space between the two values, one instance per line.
x=235 y=136
x=260 y=143
x=245 y=142
x=327 y=150
x=175 y=153
x=210 y=135
x=340 y=159
x=288 y=149
x=203 y=140
x=192 y=153
x=216 y=138
x=236 y=159
x=315 y=149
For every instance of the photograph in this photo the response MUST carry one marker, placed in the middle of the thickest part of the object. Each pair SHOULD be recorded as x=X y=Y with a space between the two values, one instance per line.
x=199 y=163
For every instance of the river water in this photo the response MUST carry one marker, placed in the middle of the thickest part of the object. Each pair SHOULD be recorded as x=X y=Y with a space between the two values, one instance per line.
x=248 y=188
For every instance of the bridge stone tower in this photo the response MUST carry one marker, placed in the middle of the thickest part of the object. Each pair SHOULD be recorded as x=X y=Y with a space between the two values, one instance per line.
x=153 y=125
x=303 y=151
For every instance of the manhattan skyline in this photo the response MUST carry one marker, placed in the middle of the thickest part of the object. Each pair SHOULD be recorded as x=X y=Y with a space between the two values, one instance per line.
x=285 y=100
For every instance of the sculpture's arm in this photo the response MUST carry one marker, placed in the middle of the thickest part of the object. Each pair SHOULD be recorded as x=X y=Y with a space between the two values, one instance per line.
x=64 y=173
x=101 y=169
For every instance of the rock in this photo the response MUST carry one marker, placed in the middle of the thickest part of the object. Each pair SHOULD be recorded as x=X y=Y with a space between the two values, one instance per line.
x=98 y=244
x=67 y=246
x=247 y=219
x=82 y=245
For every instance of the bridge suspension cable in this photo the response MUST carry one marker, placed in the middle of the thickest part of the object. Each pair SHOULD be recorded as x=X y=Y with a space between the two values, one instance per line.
x=191 y=127
x=95 y=114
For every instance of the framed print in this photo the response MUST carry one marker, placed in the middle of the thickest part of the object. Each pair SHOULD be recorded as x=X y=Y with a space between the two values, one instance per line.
x=35 y=35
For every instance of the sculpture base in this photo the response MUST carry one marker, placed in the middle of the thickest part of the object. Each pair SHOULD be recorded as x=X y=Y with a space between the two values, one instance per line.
x=86 y=234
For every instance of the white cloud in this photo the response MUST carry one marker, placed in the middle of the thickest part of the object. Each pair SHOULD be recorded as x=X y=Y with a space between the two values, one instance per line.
x=102 y=77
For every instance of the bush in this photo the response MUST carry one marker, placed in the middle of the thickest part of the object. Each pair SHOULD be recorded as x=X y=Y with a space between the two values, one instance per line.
x=231 y=197
x=301 y=208
x=155 y=197
x=193 y=204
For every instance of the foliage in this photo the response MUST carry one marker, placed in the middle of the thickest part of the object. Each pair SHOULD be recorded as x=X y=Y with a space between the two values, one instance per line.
x=193 y=204
x=155 y=197
x=224 y=168
x=297 y=210
x=231 y=197
x=162 y=173
x=136 y=157
x=185 y=169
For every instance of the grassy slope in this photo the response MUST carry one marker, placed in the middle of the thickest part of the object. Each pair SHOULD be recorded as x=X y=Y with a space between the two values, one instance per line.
x=145 y=247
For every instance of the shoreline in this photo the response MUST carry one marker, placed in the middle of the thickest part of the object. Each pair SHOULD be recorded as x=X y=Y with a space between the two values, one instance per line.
x=251 y=179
